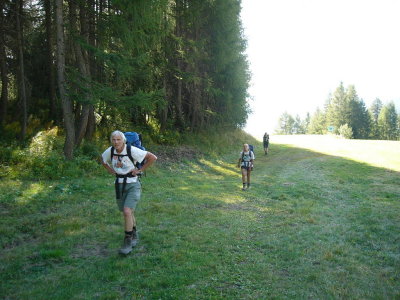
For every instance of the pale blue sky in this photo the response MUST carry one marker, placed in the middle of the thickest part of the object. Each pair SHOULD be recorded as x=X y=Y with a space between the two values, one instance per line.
x=300 y=50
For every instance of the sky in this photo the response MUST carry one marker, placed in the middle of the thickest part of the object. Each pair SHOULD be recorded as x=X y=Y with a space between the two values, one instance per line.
x=300 y=50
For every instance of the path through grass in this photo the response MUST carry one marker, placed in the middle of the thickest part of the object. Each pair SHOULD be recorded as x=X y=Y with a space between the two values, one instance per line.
x=313 y=226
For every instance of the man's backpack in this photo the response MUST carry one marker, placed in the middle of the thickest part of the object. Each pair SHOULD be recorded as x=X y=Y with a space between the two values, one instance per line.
x=132 y=139
x=251 y=147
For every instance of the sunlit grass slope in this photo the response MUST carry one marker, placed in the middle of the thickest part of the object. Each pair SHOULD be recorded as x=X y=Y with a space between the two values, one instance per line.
x=384 y=154
x=313 y=226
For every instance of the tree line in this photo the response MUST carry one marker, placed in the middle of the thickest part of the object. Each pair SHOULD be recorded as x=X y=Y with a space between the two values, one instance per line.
x=88 y=65
x=346 y=114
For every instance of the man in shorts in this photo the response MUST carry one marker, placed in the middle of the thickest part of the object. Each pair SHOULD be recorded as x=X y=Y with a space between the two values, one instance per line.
x=127 y=184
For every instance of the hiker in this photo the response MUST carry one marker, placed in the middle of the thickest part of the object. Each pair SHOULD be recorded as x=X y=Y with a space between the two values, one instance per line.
x=266 y=143
x=127 y=183
x=245 y=163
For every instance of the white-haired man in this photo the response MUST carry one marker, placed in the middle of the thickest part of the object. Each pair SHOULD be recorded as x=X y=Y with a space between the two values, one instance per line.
x=127 y=185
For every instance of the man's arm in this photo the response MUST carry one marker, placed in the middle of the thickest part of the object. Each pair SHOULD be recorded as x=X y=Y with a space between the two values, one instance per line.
x=109 y=169
x=150 y=158
x=240 y=160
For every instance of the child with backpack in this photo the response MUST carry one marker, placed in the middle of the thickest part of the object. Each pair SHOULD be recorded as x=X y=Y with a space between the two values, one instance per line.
x=245 y=163
x=121 y=160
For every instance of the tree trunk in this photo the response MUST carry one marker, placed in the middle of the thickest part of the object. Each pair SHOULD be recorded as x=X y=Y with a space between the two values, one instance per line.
x=3 y=68
x=163 y=111
x=82 y=58
x=21 y=69
x=52 y=77
x=93 y=68
x=91 y=126
x=82 y=124
x=65 y=101
x=178 y=99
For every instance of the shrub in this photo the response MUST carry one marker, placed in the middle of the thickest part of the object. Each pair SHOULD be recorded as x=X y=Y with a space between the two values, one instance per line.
x=171 y=138
x=45 y=142
x=44 y=159
x=6 y=154
x=345 y=131
x=88 y=149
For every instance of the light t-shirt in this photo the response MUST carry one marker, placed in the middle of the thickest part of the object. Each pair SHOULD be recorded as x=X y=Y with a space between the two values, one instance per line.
x=122 y=164
x=246 y=157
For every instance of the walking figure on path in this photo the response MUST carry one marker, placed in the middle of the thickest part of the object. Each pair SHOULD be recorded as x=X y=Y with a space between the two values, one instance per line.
x=246 y=164
x=266 y=143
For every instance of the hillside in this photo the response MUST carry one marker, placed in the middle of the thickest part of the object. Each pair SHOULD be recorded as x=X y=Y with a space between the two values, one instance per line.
x=314 y=225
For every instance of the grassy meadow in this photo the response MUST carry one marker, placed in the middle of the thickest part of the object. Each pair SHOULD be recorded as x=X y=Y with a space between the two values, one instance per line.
x=321 y=221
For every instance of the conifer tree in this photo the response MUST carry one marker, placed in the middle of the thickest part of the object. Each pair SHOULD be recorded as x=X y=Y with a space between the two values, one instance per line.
x=317 y=123
x=358 y=119
x=387 y=122
x=374 y=112
x=285 y=124
x=337 y=113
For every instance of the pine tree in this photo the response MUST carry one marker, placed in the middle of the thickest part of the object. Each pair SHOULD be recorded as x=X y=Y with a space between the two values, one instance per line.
x=374 y=112
x=358 y=120
x=306 y=123
x=387 y=122
x=338 y=113
x=346 y=108
x=285 y=124
x=298 y=125
x=317 y=123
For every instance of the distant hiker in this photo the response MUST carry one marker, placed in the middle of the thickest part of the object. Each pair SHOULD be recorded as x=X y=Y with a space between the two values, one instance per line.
x=266 y=143
x=127 y=185
x=245 y=163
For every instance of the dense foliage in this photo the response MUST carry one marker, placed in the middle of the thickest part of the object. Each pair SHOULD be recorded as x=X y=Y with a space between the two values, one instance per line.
x=346 y=114
x=163 y=66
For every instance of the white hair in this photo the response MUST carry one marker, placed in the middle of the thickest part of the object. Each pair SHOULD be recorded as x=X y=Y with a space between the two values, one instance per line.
x=117 y=132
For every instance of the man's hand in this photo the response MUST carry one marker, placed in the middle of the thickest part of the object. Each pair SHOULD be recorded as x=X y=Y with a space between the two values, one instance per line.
x=136 y=172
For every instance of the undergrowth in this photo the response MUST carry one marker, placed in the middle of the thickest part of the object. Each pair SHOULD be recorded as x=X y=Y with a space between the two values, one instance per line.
x=42 y=157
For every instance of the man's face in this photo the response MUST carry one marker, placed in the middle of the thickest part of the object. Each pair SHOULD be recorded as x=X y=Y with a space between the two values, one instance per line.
x=118 y=142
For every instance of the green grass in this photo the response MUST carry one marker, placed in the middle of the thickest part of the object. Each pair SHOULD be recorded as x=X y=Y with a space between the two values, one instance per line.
x=313 y=226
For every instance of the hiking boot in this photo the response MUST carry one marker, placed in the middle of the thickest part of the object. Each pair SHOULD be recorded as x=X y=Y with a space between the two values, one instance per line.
x=127 y=246
x=135 y=239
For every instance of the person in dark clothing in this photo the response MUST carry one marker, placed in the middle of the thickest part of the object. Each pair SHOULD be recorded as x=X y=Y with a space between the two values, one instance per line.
x=266 y=143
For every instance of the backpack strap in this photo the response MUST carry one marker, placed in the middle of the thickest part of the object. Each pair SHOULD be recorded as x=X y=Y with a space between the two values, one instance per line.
x=112 y=152
x=129 y=151
x=119 y=193
x=125 y=176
